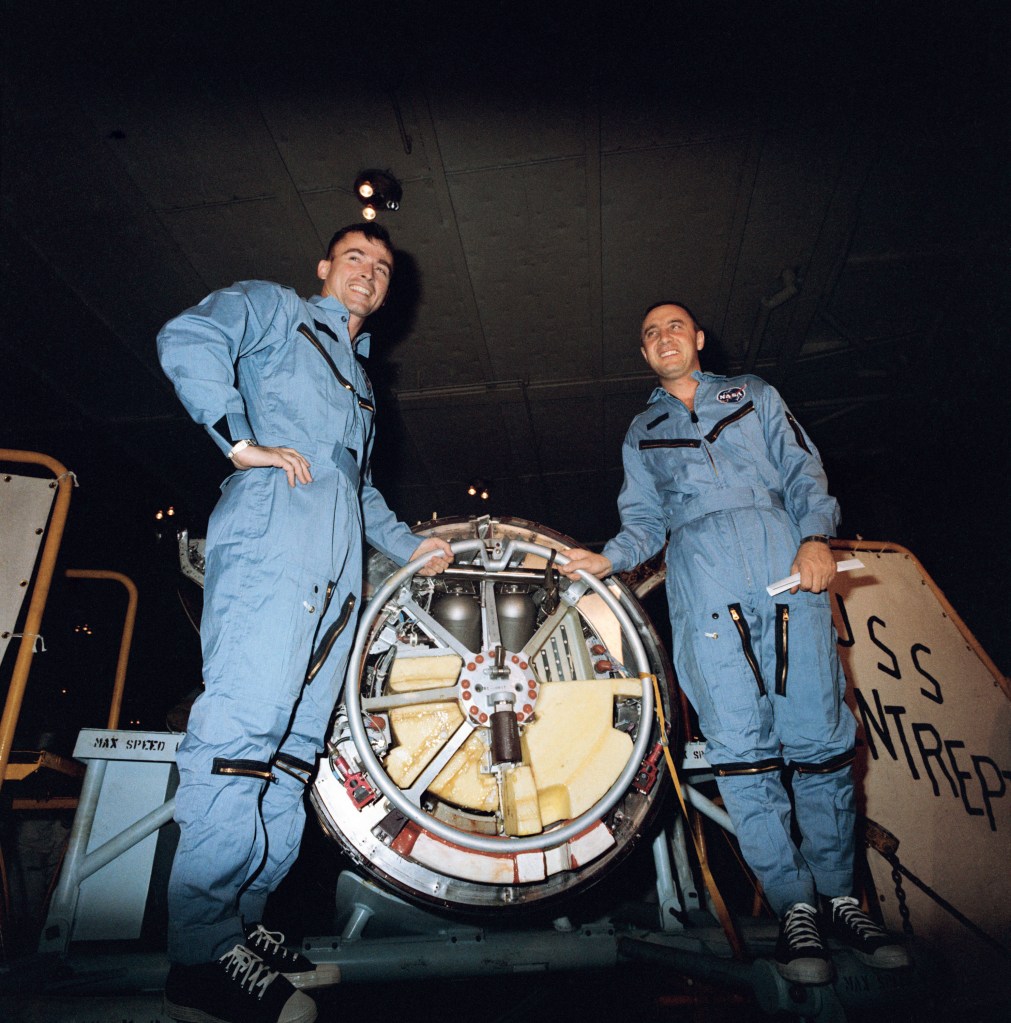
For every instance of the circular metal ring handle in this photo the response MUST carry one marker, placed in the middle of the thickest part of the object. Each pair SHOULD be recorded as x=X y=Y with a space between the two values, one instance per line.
x=484 y=843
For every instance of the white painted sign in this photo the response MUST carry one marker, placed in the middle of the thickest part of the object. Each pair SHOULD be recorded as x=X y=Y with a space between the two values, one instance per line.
x=108 y=744
x=25 y=503
x=934 y=755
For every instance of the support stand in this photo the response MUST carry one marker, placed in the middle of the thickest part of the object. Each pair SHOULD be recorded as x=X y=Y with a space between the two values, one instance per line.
x=122 y=804
x=379 y=935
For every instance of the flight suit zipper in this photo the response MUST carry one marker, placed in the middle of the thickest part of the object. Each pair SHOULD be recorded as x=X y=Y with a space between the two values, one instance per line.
x=693 y=415
x=713 y=434
x=782 y=647
x=709 y=455
x=364 y=403
x=797 y=432
x=329 y=637
x=737 y=615
x=726 y=421
x=650 y=445
x=243 y=769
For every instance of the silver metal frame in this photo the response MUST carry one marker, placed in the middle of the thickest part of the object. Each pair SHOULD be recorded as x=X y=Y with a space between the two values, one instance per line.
x=373 y=767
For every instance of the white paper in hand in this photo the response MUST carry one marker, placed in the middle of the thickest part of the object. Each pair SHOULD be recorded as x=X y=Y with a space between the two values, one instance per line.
x=794 y=580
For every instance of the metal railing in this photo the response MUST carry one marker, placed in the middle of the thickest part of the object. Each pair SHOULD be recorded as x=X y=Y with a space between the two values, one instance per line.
x=40 y=593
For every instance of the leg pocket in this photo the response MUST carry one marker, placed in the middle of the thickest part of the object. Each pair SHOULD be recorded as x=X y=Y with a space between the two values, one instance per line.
x=812 y=718
x=721 y=683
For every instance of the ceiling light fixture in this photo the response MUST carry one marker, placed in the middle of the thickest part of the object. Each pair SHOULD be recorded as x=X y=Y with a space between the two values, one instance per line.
x=376 y=190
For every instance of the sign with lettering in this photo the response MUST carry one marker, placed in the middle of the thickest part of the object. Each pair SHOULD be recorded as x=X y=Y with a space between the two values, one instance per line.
x=106 y=744
x=933 y=757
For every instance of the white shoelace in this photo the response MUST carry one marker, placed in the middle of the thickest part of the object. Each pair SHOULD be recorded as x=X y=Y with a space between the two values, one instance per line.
x=249 y=970
x=272 y=941
x=801 y=927
x=848 y=910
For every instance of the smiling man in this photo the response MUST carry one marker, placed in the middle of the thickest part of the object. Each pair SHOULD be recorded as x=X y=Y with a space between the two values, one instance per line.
x=720 y=468
x=277 y=383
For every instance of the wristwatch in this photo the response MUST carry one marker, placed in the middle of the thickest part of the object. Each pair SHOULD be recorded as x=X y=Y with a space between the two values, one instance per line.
x=817 y=538
x=240 y=445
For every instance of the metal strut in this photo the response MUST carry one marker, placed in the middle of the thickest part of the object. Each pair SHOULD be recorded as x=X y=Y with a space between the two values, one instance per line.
x=695 y=827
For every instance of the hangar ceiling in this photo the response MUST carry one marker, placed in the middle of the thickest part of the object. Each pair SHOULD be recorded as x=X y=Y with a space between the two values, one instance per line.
x=824 y=189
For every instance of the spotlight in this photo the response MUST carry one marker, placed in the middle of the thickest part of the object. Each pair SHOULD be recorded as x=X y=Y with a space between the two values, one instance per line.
x=377 y=189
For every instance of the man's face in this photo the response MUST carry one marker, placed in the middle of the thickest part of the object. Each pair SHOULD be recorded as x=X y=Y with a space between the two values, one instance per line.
x=357 y=274
x=671 y=343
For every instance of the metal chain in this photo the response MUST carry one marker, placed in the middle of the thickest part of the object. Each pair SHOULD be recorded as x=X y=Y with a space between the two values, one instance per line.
x=887 y=844
x=900 y=894
x=884 y=842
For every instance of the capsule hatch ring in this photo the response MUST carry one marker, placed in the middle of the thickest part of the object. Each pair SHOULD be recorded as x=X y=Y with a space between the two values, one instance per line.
x=452 y=757
x=395 y=795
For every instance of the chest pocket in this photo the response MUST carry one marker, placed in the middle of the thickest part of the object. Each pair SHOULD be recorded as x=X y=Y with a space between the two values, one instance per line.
x=364 y=403
x=744 y=410
x=670 y=469
x=670 y=459
x=652 y=445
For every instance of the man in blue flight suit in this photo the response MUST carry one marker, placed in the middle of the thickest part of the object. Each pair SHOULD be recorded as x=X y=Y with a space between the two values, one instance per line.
x=276 y=381
x=721 y=467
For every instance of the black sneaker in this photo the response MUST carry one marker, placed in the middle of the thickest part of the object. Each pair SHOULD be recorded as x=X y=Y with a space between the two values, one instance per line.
x=239 y=988
x=868 y=940
x=801 y=955
x=299 y=971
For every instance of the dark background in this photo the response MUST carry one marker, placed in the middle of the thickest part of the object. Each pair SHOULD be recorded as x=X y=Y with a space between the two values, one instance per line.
x=563 y=167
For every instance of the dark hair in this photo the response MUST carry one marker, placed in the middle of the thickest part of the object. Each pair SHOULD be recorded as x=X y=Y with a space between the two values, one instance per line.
x=680 y=305
x=369 y=228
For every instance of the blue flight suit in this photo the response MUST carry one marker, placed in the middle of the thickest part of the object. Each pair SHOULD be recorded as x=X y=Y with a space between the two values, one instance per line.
x=283 y=578
x=736 y=484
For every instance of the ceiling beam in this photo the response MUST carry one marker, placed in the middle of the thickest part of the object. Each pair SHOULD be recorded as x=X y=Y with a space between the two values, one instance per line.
x=828 y=257
x=450 y=221
x=742 y=208
x=594 y=225
x=509 y=391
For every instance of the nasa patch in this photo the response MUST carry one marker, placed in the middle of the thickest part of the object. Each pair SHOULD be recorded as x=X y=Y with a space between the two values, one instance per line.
x=731 y=395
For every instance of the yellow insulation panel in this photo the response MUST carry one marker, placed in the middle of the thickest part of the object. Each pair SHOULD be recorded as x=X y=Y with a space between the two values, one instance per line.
x=572 y=748
x=422 y=730
x=463 y=782
x=521 y=808
x=572 y=754
x=410 y=674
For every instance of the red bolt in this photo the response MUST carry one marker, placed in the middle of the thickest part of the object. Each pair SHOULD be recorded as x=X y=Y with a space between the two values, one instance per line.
x=516 y=660
x=523 y=665
x=603 y=666
x=527 y=709
x=479 y=658
x=474 y=711
x=532 y=693
x=472 y=666
x=482 y=718
x=597 y=649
